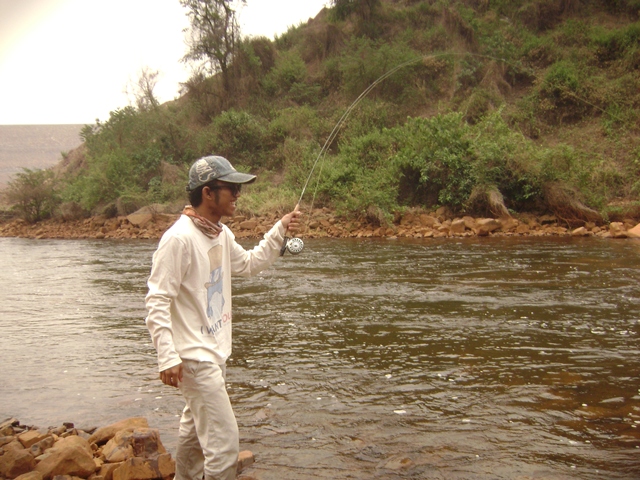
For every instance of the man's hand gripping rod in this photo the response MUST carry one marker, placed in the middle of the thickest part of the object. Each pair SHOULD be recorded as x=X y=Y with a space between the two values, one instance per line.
x=293 y=245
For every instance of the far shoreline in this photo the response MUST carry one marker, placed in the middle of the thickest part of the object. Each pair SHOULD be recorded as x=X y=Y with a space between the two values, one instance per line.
x=321 y=223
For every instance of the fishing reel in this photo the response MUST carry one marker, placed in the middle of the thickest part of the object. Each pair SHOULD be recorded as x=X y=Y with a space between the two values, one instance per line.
x=292 y=245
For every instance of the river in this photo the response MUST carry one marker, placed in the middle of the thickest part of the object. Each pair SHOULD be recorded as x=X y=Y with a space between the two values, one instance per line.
x=488 y=358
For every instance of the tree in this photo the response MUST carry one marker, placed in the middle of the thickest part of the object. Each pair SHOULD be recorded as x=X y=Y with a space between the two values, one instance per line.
x=142 y=90
x=33 y=194
x=213 y=36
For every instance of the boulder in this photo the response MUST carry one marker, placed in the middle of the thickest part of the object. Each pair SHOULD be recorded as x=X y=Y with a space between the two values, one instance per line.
x=31 y=437
x=617 y=230
x=106 y=470
x=136 y=468
x=508 y=224
x=248 y=225
x=70 y=456
x=133 y=442
x=407 y=219
x=39 y=448
x=73 y=441
x=634 y=232
x=7 y=439
x=428 y=220
x=457 y=226
x=104 y=434
x=245 y=459
x=16 y=462
x=140 y=220
x=580 y=232
x=484 y=226
x=13 y=445
x=469 y=222
x=33 y=475
x=6 y=427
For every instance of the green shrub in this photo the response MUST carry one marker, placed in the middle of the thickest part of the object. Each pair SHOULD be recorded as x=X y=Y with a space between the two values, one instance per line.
x=540 y=50
x=562 y=96
x=439 y=151
x=289 y=70
x=236 y=135
x=364 y=61
x=612 y=44
x=294 y=122
x=33 y=194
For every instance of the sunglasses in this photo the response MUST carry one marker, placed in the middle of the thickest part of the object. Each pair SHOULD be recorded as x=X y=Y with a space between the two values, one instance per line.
x=234 y=188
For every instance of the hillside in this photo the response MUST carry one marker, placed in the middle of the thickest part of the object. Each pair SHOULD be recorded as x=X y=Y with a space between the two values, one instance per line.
x=483 y=107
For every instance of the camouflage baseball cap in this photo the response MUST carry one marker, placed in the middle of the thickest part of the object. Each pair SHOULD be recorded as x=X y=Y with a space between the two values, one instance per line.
x=213 y=167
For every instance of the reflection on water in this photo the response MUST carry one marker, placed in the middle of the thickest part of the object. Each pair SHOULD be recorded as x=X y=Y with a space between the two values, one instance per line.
x=476 y=358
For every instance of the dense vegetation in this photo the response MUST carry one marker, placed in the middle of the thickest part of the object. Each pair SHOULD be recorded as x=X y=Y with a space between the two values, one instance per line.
x=500 y=106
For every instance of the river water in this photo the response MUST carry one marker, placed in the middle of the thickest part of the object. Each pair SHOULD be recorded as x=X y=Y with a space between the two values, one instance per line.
x=492 y=358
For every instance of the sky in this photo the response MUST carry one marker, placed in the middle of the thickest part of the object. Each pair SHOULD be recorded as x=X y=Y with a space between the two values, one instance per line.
x=72 y=61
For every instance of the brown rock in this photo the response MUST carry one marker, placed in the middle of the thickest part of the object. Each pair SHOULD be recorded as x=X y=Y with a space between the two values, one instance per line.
x=13 y=445
x=140 y=220
x=16 y=462
x=75 y=441
x=30 y=437
x=33 y=475
x=136 y=468
x=580 y=232
x=442 y=213
x=9 y=422
x=617 y=230
x=408 y=219
x=245 y=459
x=484 y=226
x=457 y=226
x=428 y=220
x=106 y=470
x=7 y=439
x=469 y=222
x=39 y=448
x=138 y=442
x=634 y=232
x=508 y=224
x=248 y=224
x=104 y=434
x=70 y=456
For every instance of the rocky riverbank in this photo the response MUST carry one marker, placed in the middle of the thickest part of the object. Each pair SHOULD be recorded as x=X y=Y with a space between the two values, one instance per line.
x=149 y=224
x=126 y=450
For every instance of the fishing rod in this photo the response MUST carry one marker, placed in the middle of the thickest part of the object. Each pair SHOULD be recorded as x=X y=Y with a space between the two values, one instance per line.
x=295 y=245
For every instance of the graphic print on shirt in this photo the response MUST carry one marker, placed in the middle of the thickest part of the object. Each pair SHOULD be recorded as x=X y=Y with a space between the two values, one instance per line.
x=215 y=297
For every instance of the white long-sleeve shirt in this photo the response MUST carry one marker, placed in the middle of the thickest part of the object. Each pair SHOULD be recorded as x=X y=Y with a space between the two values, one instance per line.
x=189 y=299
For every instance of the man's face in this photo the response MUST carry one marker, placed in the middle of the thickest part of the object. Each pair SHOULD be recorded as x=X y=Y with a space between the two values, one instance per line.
x=221 y=198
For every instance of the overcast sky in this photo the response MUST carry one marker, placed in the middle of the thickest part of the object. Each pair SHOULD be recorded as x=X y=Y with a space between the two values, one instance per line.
x=70 y=61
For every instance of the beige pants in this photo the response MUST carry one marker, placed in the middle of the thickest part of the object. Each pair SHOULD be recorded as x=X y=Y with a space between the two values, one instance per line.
x=208 y=440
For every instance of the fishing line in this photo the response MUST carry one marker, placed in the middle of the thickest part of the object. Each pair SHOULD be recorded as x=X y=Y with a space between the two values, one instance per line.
x=295 y=245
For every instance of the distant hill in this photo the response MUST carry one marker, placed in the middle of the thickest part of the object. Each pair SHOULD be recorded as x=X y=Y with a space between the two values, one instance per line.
x=34 y=146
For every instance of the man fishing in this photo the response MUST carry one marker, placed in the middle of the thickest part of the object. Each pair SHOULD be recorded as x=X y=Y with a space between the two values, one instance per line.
x=189 y=313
